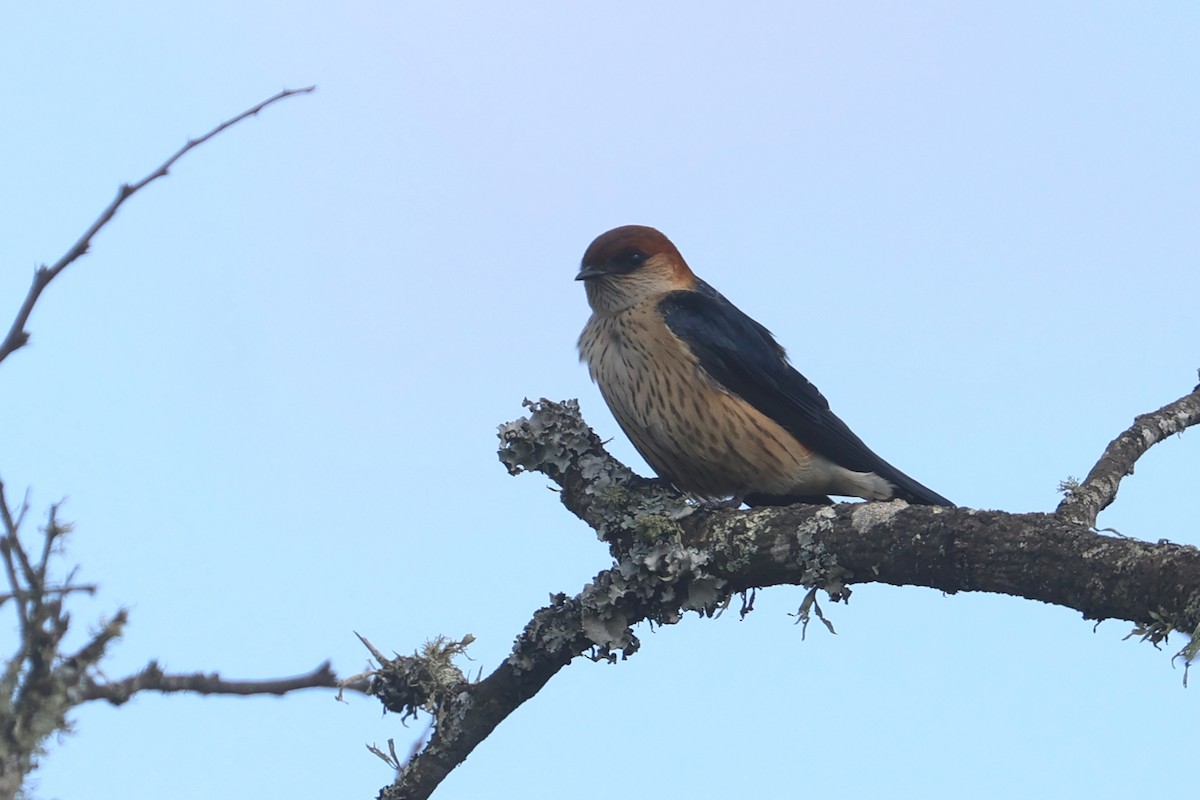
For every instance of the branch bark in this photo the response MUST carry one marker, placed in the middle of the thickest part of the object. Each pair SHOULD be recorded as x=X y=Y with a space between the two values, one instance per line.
x=673 y=557
x=1084 y=503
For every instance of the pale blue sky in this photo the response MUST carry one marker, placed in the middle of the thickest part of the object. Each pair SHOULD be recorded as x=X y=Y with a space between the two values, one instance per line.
x=270 y=394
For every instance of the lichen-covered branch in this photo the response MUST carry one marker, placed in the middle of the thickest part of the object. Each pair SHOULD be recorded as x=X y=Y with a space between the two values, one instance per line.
x=673 y=556
x=34 y=686
x=41 y=683
x=1084 y=502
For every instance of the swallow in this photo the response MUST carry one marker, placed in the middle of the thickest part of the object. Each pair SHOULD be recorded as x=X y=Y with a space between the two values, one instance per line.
x=706 y=394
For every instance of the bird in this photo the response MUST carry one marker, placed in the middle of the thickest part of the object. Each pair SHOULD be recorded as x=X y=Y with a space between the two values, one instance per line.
x=707 y=395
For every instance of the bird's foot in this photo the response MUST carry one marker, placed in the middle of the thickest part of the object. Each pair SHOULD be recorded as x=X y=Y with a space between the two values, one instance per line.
x=638 y=482
x=728 y=504
x=761 y=500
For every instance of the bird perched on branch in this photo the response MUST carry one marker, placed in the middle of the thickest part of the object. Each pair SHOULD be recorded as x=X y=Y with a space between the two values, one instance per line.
x=707 y=395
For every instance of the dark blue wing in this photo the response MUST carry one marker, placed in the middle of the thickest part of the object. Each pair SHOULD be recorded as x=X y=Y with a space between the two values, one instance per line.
x=744 y=358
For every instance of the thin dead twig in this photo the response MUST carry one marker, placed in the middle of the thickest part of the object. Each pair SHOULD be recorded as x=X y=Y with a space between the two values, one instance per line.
x=17 y=336
x=153 y=679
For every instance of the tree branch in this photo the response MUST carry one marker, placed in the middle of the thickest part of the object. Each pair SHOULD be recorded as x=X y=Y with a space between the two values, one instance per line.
x=673 y=557
x=153 y=679
x=40 y=684
x=1084 y=503
x=17 y=336
x=35 y=685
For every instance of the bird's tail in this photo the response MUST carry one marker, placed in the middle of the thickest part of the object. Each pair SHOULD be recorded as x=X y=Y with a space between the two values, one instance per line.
x=909 y=490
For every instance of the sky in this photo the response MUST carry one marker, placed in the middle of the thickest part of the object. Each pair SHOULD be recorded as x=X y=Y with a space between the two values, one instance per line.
x=269 y=395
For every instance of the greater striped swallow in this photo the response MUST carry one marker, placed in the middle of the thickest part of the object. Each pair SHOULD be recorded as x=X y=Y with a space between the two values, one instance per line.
x=707 y=395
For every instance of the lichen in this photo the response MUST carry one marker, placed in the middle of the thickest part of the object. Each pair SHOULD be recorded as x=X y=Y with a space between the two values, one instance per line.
x=868 y=515
x=422 y=681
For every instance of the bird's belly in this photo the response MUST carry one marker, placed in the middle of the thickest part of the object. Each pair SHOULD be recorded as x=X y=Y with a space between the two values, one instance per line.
x=691 y=432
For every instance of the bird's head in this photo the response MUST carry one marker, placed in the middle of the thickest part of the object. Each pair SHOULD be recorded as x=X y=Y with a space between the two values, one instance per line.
x=630 y=264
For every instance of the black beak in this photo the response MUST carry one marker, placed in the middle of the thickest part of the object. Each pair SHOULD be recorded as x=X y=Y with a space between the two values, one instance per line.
x=587 y=273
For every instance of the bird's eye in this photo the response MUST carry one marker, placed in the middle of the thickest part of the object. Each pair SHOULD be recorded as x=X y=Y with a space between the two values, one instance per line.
x=635 y=259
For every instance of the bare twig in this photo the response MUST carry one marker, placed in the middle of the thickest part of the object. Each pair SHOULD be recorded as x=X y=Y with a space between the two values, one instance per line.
x=92 y=653
x=17 y=335
x=153 y=679
x=1085 y=502
x=54 y=591
x=11 y=551
x=11 y=523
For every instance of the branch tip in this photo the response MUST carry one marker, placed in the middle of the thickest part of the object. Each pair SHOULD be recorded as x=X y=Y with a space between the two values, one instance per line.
x=17 y=336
